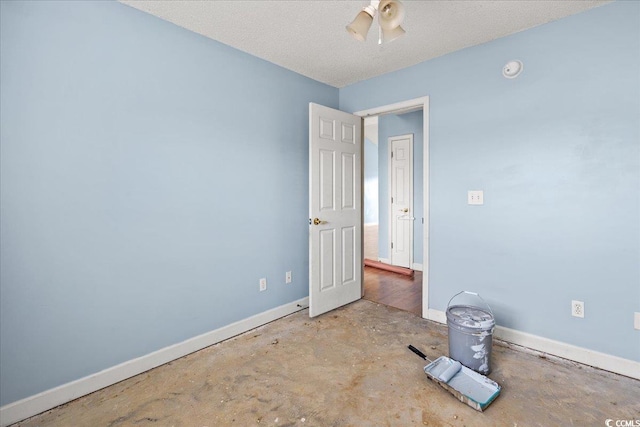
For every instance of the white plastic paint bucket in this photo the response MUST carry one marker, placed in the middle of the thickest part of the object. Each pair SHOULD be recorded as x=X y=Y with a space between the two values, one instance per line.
x=471 y=333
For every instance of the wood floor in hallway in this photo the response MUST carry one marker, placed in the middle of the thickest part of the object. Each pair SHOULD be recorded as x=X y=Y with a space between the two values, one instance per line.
x=393 y=289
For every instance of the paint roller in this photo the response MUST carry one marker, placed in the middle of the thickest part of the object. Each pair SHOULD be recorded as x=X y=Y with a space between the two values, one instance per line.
x=448 y=373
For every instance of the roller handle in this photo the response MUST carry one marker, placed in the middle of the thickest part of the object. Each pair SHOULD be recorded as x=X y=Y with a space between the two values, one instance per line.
x=418 y=352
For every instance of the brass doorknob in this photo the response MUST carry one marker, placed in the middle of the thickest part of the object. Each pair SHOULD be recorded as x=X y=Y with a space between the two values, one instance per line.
x=317 y=221
x=405 y=210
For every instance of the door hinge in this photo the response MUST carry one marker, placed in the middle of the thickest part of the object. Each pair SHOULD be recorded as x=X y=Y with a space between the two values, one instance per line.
x=392 y=154
x=391 y=245
x=392 y=200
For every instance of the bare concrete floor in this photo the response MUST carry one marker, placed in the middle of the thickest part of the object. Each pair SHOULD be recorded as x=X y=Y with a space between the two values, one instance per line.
x=350 y=367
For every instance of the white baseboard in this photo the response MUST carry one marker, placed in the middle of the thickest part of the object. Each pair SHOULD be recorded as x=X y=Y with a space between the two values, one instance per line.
x=48 y=399
x=437 y=316
x=618 y=365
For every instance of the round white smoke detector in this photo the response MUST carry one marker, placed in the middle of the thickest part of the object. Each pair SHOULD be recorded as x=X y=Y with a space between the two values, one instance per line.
x=512 y=69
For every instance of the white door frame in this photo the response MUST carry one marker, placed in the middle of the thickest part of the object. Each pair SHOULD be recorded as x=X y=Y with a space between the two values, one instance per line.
x=407 y=107
x=390 y=180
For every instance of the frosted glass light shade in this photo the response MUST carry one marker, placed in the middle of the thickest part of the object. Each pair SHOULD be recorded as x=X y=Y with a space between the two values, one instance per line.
x=391 y=14
x=360 y=26
x=391 y=35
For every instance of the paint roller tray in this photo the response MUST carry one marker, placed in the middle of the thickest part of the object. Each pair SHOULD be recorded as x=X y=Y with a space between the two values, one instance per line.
x=468 y=386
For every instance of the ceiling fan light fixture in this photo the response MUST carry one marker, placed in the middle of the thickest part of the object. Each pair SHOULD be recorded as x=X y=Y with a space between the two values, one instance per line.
x=359 y=27
x=391 y=14
x=390 y=17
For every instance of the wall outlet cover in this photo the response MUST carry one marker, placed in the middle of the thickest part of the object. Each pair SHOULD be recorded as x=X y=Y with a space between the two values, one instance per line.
x=475 y=197
x=577 y=309
x=636 y=321
x=263 y=284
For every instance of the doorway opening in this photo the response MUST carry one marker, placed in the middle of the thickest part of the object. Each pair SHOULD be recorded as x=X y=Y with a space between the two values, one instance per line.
x=406 y=121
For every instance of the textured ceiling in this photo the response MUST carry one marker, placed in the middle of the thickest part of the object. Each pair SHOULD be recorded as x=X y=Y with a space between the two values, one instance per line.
x=309 y=37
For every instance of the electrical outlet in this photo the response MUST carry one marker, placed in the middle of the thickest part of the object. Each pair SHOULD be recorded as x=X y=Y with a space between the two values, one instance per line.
x=287 y=277
x=577 y=308
x=475 y=197
x=263 y=284
x=636 y=321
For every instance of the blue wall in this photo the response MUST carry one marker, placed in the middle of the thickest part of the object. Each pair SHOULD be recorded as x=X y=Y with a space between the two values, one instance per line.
x=149 y=178
x=557 y=153
x=395 y=125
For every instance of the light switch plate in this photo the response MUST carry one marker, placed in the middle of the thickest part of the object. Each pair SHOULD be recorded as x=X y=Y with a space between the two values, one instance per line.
x=475 y=197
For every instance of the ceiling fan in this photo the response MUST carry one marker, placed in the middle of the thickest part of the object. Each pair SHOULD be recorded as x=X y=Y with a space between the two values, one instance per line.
x=390 y=16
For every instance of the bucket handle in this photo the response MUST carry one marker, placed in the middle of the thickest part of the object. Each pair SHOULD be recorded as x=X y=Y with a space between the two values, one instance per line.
x=475 y=294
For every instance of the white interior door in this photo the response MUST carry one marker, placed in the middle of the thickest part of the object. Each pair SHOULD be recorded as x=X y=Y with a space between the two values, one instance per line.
x=401 y=184
x=335 y=209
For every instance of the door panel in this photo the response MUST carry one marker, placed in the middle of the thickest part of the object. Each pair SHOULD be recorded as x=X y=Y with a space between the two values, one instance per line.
x=349 y=181
x=348 y=133
x=326 y=261
x=326 y=171
x=348 y=255
x=335 y=237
